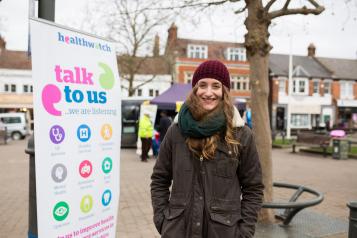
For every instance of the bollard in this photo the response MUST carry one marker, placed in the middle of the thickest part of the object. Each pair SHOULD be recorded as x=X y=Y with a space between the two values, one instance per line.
x=352 y=231
x=32 y=225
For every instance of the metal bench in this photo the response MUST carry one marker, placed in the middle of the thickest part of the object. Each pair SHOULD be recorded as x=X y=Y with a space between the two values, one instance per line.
x=308 y=139
x=292 y=207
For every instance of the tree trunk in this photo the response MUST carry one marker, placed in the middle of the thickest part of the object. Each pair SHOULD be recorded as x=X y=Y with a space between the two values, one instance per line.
x=258 y=47
x=261 y=126
x=131 y=92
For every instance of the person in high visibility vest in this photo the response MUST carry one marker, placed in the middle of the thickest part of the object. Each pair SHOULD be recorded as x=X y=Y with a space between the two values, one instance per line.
x=146 y=131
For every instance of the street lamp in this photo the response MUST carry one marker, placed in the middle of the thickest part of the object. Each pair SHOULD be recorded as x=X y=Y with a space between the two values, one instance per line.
x=290 y=84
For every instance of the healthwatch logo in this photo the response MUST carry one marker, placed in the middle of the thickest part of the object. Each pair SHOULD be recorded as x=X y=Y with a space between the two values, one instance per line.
x=81 y=41
x=52 y=95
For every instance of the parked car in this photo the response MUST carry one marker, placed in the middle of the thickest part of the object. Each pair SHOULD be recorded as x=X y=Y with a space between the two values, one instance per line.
x=15 y=124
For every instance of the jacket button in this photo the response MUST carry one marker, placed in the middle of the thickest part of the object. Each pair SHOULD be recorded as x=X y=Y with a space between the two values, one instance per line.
x=198 y=224
x=228 y=221
x=201 y=197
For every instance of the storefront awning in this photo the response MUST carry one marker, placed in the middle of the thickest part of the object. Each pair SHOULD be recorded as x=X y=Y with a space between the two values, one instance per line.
x=306 y=109
x=346 y=103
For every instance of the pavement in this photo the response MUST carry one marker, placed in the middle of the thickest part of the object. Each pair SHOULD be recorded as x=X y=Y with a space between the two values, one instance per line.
x=335 y=178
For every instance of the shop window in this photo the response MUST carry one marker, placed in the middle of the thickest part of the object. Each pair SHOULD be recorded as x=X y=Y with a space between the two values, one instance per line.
x=300 y=120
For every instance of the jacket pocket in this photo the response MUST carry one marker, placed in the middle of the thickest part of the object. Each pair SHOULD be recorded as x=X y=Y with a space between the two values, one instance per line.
x=226 y=212
x=224 y=217
x=226 y=167
x=174 y=222
x=172 y=212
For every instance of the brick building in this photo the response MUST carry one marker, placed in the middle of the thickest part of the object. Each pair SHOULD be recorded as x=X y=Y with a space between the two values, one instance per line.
x=186 y=54
x=15 y=81
x=323 y=91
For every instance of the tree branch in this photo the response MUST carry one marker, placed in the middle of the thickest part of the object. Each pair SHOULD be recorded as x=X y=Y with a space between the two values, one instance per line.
x=269 y=4
x=303 y=10
x=286 y=5
x=145 y=82
x=241 y=10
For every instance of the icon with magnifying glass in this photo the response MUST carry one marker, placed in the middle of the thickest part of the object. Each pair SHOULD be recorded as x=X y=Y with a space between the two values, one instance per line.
x=57 y=134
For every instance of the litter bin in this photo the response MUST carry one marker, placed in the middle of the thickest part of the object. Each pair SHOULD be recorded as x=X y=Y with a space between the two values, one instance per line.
x=352 y=232
x=340 y=149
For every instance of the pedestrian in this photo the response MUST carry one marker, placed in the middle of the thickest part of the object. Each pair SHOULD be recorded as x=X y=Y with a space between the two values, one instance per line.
x=247 y=116
x=164 y=124
x=155 y=144
x=209 y=157
x=146 y=131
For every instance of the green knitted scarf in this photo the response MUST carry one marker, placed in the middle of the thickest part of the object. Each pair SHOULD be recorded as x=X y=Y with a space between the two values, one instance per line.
x=206 y=127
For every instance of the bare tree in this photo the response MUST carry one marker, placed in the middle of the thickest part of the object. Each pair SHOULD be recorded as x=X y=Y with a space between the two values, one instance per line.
x=132 y=24
x=259 y=17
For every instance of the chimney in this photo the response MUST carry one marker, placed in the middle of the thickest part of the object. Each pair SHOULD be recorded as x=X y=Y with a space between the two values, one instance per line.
x=171 y=38
x=311 y=50
x=156 y=50
x=2 y=44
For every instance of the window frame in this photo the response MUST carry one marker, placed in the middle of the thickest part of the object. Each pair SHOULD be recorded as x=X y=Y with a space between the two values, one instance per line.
x=151 y=92
x=236 y=54
x=296 y=117
x=197 y=51
x=296 y=83
x=188 y=77
x=240 y=83
x=317 y=88
x=346 y=92
x=13 y=88
x=329 y=82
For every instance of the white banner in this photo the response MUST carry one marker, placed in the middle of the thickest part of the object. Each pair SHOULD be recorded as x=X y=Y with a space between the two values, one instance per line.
x=77 y=111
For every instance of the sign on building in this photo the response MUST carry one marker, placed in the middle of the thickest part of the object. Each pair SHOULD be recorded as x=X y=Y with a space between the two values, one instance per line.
x=77 y=111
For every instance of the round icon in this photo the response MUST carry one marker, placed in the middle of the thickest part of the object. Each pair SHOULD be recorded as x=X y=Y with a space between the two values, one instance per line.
x=86 y=203
x=60 y=211
x=57 y=134
x=85 y=168
x=83 y=133
x=106 y=197
x=106 y=131
x=107 y=165
x=59 y=173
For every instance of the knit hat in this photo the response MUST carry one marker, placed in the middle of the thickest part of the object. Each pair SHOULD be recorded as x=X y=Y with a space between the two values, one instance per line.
x=212 y=69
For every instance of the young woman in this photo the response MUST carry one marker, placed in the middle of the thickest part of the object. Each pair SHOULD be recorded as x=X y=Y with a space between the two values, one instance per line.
x=210 y=159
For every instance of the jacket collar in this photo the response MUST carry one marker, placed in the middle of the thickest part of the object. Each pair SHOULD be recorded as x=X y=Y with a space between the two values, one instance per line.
x=237 y=119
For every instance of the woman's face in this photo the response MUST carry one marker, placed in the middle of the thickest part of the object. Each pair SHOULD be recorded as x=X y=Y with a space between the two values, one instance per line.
x=209 y=92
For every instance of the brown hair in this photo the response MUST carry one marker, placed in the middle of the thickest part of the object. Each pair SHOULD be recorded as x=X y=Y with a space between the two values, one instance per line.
x=206 y=147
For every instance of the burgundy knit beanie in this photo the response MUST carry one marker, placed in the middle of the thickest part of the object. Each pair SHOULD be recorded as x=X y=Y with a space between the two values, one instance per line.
x=212 y=69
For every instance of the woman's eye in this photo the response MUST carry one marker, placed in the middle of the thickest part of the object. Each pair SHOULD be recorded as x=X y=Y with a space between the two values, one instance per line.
x=202 y=86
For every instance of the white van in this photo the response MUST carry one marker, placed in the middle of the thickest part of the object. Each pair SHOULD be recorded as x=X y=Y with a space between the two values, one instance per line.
x=15 y=124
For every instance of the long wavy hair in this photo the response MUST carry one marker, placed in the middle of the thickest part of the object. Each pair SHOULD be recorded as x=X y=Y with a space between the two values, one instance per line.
x=206 y=147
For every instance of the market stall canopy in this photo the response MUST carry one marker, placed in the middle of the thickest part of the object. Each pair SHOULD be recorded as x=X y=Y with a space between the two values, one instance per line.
x=168 y=99
x=177 y=93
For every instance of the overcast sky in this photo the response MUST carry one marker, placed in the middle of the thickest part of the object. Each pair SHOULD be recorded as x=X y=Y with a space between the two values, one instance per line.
x=334 y=32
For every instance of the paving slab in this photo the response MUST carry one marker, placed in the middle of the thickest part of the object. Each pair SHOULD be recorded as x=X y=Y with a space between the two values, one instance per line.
x=336 y=179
